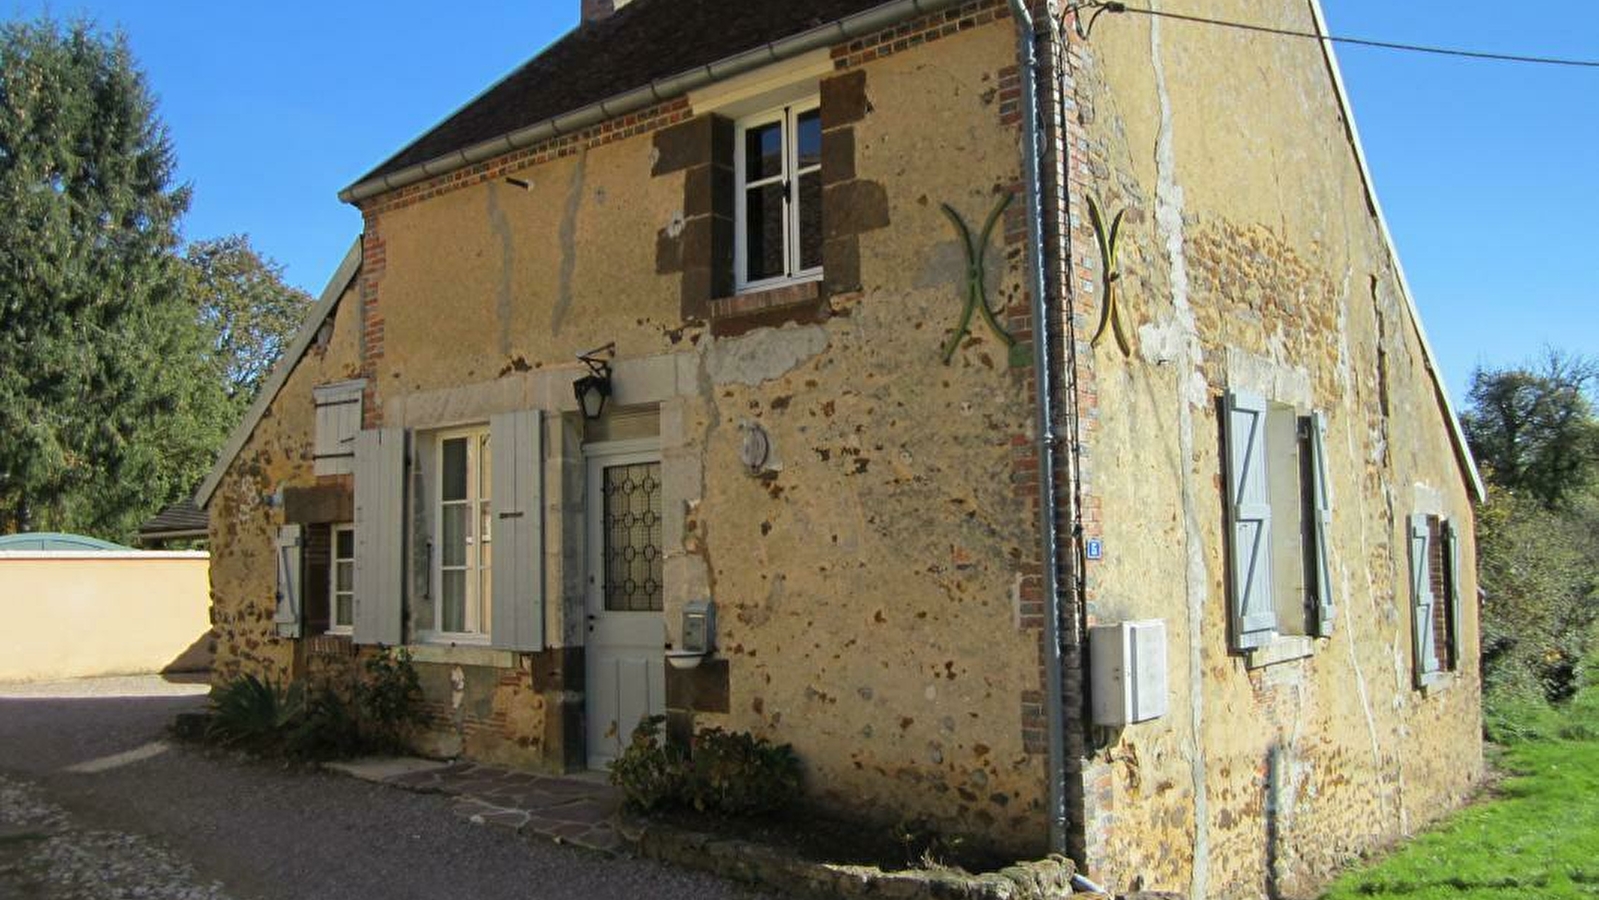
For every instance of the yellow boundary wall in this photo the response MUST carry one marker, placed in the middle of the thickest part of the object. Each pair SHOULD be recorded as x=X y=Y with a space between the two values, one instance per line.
x=72 y=614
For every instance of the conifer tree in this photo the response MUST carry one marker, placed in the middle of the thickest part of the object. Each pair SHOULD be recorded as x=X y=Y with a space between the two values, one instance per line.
x=107 y=409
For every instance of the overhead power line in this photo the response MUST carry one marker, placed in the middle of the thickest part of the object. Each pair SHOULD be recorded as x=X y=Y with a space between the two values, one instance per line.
x=1117 y=7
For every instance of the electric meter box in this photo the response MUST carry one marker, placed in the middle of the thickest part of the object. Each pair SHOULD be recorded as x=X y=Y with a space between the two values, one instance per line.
x=699 y=626
x=1128 y=672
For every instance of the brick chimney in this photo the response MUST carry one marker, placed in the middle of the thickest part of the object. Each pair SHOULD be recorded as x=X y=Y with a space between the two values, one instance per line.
x=595 y=10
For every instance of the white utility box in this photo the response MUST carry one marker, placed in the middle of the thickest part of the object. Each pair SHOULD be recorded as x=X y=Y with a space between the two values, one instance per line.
x=1128 y=671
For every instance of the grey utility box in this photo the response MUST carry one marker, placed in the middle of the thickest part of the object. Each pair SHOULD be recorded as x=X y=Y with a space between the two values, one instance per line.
x=1128 y=672
x=699 y=626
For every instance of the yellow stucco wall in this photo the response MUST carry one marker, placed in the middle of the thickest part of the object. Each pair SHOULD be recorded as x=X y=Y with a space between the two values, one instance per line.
x=74 y=615
x=870 y=582
x=868 y=586
x=1251 y=259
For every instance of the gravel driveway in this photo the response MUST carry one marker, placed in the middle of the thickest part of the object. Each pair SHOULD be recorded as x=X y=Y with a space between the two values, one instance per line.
x=173 y=823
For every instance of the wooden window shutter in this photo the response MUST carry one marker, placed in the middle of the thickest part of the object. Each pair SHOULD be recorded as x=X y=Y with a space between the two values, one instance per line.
x=517 y=510
x=289 y=593
x=1321 y=502
x=1421 y=596
x=379 y=536
x=338 y=418
x=1452 y=560
x=1254 y=614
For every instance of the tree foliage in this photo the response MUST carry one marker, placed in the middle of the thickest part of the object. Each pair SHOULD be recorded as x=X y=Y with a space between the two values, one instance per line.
x=1534 y=431
x=245 y=308
x=1533 y=427
x=1540 y=572
x=123 y=364
x=102 y=408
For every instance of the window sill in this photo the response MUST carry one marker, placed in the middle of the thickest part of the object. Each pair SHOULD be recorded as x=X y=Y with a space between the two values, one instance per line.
x=330 y=643
x=1437 y=682
x=458 y=653
x=1283 y=649
x=795 y=301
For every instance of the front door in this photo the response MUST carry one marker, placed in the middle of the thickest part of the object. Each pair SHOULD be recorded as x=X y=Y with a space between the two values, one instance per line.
x=626 y=641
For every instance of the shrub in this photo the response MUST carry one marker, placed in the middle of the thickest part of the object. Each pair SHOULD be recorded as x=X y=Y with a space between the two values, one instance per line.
x=326 y=730
x=651 y=772
x=739 y=774
x=731 y=773
x=388 y=699
x=251 y=714
x=301 y=721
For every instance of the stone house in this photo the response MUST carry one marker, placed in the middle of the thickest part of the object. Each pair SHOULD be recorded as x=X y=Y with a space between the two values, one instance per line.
x=899 y=418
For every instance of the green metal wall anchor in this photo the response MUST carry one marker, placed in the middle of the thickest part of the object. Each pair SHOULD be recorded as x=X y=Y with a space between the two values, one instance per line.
x=1109 y=246
x=976 y=287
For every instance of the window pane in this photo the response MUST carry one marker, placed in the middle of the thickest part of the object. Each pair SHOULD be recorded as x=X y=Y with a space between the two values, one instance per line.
x=453 y=601
x=808 y=137
x=633 y=581
x=485 y=468
x=810 y=220
x=452 y=541
x=344 y=576
x=763 y=152
x=344 y=610
x=763 y=232
x=346 y=544
x=453 y=486
x=485 y=595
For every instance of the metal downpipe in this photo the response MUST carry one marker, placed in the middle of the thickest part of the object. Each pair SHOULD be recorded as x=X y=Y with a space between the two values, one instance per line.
x=1048 y=440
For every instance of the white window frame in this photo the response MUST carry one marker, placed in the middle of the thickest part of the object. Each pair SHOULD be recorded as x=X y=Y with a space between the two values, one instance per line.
x=334 y=625
x=787 y=115
x=478 y=617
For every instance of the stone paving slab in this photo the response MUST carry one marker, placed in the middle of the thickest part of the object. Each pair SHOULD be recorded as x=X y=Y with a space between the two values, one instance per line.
x=578 y=811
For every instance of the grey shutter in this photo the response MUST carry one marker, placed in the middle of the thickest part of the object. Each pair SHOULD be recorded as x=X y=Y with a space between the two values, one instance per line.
x=287 y=616
x=379 y=535
x=1321 y=499
x=1421 y=598
x=1253 y=610
x=1452 y=560
x=517 y=507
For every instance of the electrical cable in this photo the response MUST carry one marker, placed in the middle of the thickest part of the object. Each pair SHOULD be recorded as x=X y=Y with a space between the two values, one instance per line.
x=1113 y=6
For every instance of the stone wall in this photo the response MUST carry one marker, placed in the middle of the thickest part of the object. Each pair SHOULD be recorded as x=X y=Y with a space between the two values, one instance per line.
x=877 y=581
x=1251 y=259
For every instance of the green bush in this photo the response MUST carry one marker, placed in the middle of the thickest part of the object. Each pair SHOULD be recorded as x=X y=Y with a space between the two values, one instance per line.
x=388 y=699
x=313 y=722
x=731 y=773
x=651 y=772
x=252 y=714
x=739 y=774
x=327 y=730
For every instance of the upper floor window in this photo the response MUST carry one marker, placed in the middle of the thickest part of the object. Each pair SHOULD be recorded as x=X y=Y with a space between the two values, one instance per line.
x=778 y=196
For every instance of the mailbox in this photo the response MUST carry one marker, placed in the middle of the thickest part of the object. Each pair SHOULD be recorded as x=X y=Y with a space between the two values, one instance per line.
x=699 y=626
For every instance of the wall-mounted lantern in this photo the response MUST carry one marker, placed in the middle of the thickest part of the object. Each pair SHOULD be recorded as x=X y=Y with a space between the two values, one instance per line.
x=593 y=389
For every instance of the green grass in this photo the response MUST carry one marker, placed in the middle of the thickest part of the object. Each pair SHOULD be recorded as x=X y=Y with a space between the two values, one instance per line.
x=1536 y=836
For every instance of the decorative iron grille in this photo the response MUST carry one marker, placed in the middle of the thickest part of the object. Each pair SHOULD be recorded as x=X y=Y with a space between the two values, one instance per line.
x=633 y=538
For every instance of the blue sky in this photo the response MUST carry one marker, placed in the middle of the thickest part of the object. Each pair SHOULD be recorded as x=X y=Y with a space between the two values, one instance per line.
x=1489 y=172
